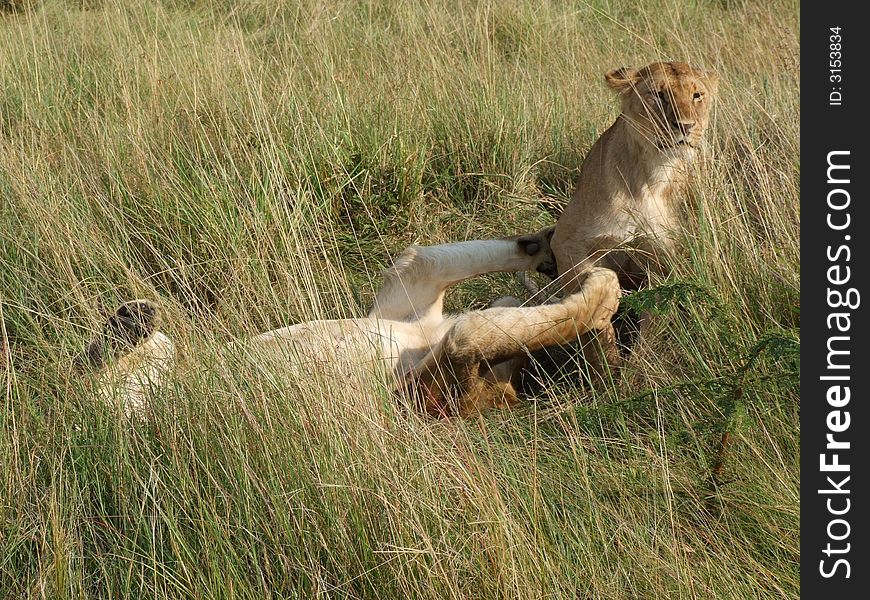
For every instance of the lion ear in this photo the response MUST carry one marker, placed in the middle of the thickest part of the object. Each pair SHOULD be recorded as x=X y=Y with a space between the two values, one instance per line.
x=712 y=80
x=621 y=79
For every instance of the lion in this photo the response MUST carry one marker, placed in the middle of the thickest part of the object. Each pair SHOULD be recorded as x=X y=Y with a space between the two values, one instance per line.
x=447 y=364
x=623 y=214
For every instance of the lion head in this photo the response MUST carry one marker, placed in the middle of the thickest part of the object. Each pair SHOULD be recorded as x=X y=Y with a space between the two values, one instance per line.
x=667 y=104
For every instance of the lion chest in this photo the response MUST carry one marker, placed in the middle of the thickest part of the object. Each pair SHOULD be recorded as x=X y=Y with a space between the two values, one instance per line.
x=646 y=207
x=652 y=215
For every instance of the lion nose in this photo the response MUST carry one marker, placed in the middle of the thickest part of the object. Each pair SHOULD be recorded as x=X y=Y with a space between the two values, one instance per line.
x=683 y=127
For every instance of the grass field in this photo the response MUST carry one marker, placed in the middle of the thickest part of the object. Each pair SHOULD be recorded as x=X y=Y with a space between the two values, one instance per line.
x=251 y=164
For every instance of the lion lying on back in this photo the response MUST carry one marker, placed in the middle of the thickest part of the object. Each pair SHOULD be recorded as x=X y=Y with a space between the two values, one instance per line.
x=451 y=364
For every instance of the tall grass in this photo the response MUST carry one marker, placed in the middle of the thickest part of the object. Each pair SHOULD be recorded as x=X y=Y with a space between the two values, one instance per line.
x=256 y=163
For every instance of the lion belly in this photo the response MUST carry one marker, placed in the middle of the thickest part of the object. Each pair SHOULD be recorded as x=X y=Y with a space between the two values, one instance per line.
x=396 y=345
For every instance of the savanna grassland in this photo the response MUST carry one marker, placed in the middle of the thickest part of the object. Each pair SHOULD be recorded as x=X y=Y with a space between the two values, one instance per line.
x=252 y=164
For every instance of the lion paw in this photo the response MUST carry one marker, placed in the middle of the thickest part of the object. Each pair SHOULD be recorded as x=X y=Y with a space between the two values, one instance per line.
x=600 y=291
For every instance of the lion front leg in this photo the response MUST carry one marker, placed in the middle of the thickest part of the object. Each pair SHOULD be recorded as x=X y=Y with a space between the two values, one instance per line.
x=457 y=378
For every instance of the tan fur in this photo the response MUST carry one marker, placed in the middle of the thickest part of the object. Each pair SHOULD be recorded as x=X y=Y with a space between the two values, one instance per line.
x=449 y=364
x=131 y=376
x=468 y=357
x=623 y=213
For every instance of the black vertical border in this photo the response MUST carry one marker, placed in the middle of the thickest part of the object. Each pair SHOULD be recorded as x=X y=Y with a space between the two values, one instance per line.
x=826 y=128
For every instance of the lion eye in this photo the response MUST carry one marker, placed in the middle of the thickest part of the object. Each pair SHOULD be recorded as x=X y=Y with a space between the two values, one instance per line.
x=697 y=96
x=663 y=96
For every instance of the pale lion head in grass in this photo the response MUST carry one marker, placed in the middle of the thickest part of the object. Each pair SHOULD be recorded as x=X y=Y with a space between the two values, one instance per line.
x=667 y=103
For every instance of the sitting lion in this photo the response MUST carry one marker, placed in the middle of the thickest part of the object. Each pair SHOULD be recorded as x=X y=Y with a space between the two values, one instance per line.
x=452 y=365
x=623 y=214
